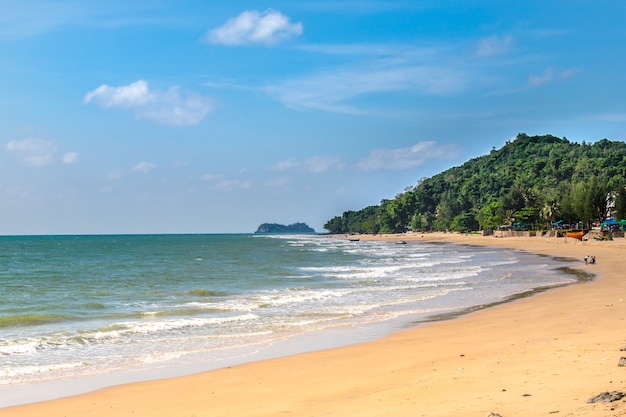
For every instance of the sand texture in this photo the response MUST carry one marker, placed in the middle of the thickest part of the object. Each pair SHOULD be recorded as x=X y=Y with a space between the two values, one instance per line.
x=545 y=355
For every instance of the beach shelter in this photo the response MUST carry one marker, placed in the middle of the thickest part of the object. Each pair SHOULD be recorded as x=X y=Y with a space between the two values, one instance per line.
x=518 y=226
x=608 y=224
x=557 y=223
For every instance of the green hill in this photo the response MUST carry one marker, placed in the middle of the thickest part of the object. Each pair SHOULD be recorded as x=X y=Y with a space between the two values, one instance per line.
x=531 y=180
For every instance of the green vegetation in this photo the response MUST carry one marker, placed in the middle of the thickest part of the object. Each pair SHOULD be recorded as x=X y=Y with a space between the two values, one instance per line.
x=531 y=182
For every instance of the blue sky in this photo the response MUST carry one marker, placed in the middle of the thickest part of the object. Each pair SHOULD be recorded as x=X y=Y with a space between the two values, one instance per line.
x=201 y=116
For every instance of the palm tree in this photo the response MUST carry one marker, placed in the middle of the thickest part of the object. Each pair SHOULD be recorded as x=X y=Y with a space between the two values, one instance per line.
x=549 y=212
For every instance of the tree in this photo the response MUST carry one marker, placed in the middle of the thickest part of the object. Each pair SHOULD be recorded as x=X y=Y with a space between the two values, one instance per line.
x=464 y=222
x=598 y=198
x=620 y=201
x=336 y=225
x=445 y=212
x=581 y=208
x=490 y=216
x=549 y=211
x=515 y=200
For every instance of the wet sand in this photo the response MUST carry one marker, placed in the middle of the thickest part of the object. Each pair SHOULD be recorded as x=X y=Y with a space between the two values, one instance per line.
x=535 y=356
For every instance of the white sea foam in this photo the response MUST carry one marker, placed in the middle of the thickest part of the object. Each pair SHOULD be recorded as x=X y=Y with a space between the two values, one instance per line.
x=248 y=292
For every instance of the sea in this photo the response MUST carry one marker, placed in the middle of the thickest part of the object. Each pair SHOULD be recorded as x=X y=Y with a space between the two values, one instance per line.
x=79 y=313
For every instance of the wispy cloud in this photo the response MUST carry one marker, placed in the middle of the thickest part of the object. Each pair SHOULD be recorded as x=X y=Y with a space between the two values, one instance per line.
x=222 y=182
x=21 y=20
x=17 y=192
x=39 y=152
x=549 y=75
x=424 y=70
x=180 y=164
x=611 y=117
x=334 y=90
x=279 y=182
x=254 y=27
x=229 y=185
x=366 y=6
x=144 y=167
x=494 y=45
x=405 y=158
x=315 y=164
x=368 y=49
x=167 y=107
x=70 y=158
x=115 y=175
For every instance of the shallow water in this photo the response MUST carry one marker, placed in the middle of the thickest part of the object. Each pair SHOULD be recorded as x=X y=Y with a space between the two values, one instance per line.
x=85 y=306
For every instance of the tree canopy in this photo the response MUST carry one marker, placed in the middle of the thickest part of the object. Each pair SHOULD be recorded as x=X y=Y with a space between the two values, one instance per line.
x=531 y=180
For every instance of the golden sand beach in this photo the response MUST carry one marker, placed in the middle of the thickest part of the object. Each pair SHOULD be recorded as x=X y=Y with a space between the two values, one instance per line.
x=544 y=355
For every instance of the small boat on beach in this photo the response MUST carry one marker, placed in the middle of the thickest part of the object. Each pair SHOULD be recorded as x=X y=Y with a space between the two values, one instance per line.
x=575 y=235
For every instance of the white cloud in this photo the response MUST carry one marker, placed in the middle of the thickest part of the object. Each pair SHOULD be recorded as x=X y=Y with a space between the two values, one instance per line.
x=144 y=167
x=221 y=182
x=19 y=192
x=279 y=182
x=70 y=158
x=315 y=164
x=611 y=117
x=405 y=158
x=167 y=107
x=494 y=45
x=284 y=165
x=253 y=27
x=180 y=164
x=32 y=151
x=550 y=75
x=538 y=80
x=31 y=145
x=115 y=175
x=334 y=90
x=132 y=95
x=212 y=177
x=233 y=184
x=319 y=164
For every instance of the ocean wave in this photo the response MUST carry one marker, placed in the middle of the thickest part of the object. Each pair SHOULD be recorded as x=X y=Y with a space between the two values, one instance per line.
x=200 y=292
x=32 y=319
x=12 y=374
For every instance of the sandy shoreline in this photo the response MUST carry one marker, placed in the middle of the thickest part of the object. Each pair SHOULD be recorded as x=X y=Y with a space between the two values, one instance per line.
x=543 y=355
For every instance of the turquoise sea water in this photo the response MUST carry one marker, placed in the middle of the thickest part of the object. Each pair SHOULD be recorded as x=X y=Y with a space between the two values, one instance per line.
x=81 y=306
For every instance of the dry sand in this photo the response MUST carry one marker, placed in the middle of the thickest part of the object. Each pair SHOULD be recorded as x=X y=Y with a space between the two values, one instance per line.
x=538 y=356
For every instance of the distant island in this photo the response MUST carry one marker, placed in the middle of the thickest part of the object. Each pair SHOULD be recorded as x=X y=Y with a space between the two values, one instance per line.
x=281 y=228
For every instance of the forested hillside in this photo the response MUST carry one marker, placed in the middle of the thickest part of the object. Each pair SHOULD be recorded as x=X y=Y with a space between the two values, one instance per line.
x=531 y=181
